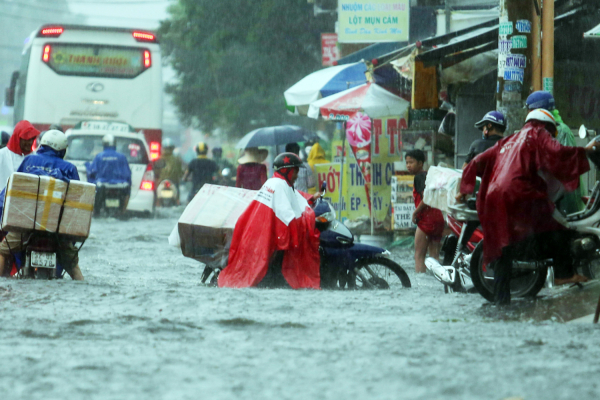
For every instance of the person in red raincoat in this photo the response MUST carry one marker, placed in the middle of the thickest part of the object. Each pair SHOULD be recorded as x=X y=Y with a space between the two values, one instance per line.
x=276 y=233
x=19 y=145
x=513 y=203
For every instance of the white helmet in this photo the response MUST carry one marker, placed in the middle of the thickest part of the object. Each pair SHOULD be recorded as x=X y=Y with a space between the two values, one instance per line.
x=54 y=139
x=108 y=140
x=541 y=115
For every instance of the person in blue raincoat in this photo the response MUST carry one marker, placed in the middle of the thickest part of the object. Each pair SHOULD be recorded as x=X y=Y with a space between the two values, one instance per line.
x=48 y=161
x=110 y=167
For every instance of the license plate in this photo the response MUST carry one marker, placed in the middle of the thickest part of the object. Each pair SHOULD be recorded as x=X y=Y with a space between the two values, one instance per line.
x=166 y=194
x=112 y=203
x=43 y=260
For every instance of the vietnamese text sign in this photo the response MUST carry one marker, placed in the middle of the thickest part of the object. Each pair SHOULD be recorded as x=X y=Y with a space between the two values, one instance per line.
x=329 y=49
x=371 y=21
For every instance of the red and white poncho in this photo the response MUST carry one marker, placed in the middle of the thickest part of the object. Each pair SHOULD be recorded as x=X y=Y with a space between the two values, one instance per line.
x=279 y=218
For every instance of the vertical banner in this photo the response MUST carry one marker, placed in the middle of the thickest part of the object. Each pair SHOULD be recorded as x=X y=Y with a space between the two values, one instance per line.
x=358 y=135
x=329 y=50
x=377 y=162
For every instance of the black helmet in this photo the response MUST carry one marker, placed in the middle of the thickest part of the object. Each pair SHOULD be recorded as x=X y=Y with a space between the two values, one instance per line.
x=5 y=139
x=287 y=160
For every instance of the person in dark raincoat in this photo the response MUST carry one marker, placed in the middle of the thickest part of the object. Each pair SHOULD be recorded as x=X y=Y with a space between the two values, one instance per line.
x=513 y=203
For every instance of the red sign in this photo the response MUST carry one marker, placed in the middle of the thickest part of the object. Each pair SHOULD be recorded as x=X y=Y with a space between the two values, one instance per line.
x=329 y=49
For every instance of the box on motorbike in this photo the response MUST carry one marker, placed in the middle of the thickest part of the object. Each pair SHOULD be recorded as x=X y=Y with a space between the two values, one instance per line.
x=32 y=203
x=77 y=212
x=206 y=225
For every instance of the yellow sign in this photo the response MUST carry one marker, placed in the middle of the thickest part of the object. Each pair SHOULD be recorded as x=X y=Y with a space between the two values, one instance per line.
x=371 y=21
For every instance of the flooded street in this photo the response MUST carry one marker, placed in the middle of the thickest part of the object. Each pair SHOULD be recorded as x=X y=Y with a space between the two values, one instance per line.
x=142 y=326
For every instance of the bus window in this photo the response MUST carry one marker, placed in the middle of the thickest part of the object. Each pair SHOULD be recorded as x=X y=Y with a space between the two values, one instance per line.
x=86 y=147
x=96 y=60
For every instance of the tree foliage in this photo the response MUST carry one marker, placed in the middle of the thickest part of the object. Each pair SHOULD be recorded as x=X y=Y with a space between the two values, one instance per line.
x=235 y=58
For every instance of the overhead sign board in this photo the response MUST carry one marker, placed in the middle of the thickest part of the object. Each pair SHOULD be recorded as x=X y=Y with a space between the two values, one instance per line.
x=372 y=21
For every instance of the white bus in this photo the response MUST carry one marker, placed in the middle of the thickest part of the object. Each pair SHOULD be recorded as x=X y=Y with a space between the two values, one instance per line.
x=72 y=73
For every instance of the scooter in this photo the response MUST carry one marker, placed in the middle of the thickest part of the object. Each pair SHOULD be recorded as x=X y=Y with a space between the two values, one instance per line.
x=167 y=193
x=455 y=270
x=529 y=272
x=111 y=198
x=38 y=259
x=344 y=263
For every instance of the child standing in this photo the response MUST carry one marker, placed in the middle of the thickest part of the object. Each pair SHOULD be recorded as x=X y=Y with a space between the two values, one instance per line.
x=430 y=221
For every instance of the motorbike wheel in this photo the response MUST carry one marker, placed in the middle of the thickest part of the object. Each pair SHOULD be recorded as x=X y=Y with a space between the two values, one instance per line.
x=379 y=273
x=526 y=284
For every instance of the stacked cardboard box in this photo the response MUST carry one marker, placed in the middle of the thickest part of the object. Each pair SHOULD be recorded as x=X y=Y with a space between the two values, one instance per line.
x=206 y=225
x=76 y=218
x=32 y=203
x=46 y=204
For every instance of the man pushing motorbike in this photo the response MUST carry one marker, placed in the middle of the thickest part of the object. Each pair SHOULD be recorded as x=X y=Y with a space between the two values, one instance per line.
x=276 y=233
x=47 y=162
x=513 y=201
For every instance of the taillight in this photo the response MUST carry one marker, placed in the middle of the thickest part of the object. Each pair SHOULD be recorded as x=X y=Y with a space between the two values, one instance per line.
x=46 y=54
x=144 y=36
x=154 y=150
x=147 y=59
x=148 y=179
x=51 y=31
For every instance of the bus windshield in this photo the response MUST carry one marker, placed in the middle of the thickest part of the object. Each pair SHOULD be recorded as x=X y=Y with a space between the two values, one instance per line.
x=95 y=60
x=86 y=147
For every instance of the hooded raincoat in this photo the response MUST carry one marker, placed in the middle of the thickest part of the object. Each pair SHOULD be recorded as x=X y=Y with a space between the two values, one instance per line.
x=109 y=166
x=11 y=156
x=279 y=218
x=316 y=156
x=513 y=201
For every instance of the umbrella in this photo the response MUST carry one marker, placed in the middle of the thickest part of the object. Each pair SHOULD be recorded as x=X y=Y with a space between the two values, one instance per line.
x=323 y=83
x=275 y=135
x=369 y=98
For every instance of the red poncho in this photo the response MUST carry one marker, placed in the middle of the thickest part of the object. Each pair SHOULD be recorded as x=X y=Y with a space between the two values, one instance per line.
x=279 y=218
x=513 y=198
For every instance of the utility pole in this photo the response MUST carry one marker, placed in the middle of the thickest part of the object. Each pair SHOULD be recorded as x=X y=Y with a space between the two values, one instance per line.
x=515 y=67
x=548 y=46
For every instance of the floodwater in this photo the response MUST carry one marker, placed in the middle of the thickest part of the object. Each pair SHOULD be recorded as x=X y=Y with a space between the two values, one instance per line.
x=143 y=327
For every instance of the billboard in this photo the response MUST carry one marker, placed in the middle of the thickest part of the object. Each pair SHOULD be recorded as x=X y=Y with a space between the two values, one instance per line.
x=372 y=21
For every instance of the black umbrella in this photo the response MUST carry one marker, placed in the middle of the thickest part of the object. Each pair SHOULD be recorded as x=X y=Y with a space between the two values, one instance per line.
x=275 y=135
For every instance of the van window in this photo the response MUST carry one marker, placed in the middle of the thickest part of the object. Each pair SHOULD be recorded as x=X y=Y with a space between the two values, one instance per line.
x=86 y=147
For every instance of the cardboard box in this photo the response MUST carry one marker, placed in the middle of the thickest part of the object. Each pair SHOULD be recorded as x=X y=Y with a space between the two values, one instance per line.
x=77 y=212
x=32 y=203
x=206 y=225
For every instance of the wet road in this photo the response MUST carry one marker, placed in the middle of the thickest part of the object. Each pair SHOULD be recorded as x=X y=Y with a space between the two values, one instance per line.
x=142 y=327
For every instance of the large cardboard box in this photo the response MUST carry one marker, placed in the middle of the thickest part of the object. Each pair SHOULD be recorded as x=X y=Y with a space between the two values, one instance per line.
x=32 y=203
x=77 y=212
x=206 y=225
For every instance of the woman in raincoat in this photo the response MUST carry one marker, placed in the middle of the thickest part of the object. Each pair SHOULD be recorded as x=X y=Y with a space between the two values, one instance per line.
x=19 y=145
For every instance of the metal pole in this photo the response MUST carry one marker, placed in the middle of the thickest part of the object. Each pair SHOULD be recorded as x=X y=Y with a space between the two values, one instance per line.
x=340 y=201
x=371 y=188
x=514 y=61
x=536 y=44
x=548 y=46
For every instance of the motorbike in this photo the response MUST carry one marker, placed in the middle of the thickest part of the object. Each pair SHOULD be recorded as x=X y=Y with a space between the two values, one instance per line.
x=167 y=193
x=466 y=270
x=111 y=198
x=344 y=263
x=457 y=248
x=38 y=259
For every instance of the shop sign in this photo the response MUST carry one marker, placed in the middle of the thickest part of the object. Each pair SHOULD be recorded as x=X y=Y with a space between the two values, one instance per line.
x=506 y=28
x=372 y=21
x=514 y=74
x=329 y=50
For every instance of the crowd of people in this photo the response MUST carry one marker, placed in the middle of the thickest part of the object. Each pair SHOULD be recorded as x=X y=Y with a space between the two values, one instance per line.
x=210 y=167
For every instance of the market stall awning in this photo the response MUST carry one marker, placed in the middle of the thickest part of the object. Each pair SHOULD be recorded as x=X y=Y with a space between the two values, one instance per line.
x=371 y=52
x=368 y=98
x=323 y=83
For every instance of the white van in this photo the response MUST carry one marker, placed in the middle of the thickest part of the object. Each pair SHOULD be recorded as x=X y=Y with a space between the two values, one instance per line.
x=85 y=142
